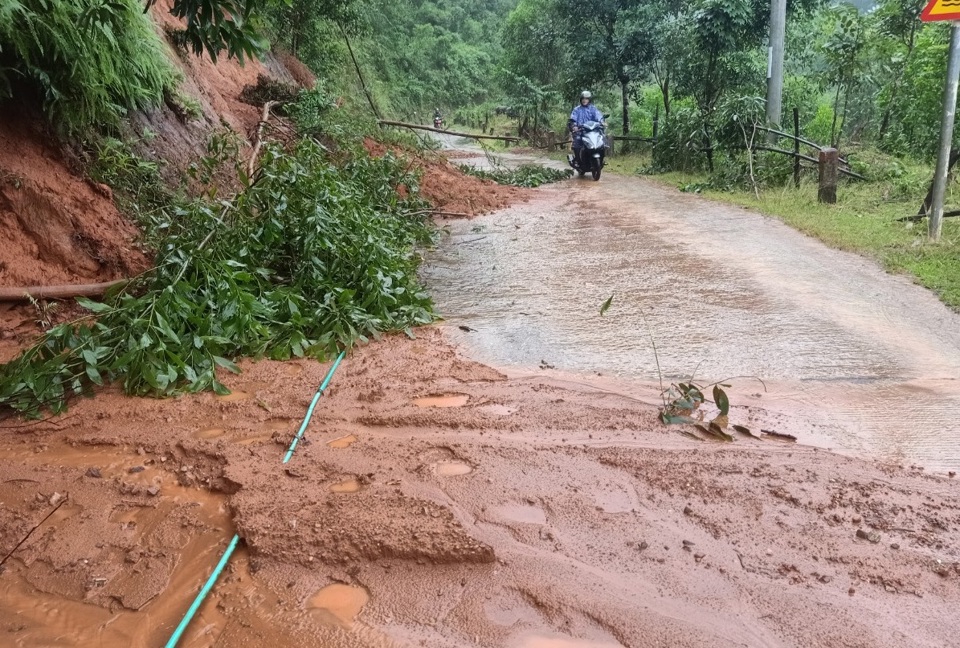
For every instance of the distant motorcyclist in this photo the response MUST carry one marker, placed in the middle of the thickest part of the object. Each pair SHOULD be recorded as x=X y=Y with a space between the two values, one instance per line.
x=437 y=118
x=580 y=115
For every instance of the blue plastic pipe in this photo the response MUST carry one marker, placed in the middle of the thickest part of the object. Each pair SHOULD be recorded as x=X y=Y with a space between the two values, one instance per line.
x=178 y=633
x=175 y=637
x=313 y=404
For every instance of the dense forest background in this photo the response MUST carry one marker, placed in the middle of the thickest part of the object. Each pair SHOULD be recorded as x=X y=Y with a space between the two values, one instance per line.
x=864 y=73
x=861 y=75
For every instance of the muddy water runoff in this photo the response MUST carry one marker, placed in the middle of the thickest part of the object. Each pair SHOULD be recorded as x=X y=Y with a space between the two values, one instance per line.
x=853 y=358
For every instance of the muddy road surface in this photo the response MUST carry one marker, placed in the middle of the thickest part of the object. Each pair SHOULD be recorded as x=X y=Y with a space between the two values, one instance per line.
x=854 y=358
x=437 y=501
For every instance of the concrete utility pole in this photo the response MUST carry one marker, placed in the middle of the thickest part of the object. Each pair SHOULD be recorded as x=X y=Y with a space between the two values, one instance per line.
x=778 y=33
x=935 y=224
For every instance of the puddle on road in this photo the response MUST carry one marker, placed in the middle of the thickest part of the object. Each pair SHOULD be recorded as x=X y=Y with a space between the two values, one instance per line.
x=447 y=400
x=351 y=485
x=497 y=410
x=338 y=603
x=724 y=292
x=240 y=438
x=615 y=501
x=524 y=513
x=31 y=617
x=281 y=424
x=453 y=468
x=343 y=442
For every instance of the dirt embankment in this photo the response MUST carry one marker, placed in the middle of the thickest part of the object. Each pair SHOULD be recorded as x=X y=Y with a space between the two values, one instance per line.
x=60 y=228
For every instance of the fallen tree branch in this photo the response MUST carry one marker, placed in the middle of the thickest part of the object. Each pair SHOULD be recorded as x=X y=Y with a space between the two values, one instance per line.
x=37 y=526
x=26 y=293
x=258 y=142
x=450 y=214
x=384 y=122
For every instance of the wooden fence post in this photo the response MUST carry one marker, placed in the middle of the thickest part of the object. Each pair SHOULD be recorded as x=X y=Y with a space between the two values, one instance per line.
x=796 y=148
x=829 y=162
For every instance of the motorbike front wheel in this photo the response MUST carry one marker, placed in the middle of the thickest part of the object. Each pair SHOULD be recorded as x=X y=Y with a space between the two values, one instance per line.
x=596 y=169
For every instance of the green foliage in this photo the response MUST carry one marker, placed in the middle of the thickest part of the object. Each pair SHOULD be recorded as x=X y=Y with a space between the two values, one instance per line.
x=607 y=41
x=217 y=25
x=87 y=61
x=310 y=29
x=916 y=105
x=525 y=175
x=683 y=401
x=136 y=183
x=312 y=110
x=429 y=54
x=819 y=127
x=308 y=258
x=680 y=140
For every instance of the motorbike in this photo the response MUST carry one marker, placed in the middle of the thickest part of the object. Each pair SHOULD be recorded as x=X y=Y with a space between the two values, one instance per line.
x=438 y=122
x=592 y=152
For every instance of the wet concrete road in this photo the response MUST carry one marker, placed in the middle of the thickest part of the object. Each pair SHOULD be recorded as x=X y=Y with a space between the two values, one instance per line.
x=853 y=358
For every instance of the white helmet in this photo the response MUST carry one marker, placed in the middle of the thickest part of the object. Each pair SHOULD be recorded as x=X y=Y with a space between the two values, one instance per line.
x=586 y=95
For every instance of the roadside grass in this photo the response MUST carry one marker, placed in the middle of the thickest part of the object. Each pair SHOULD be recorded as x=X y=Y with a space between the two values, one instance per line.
x=864 y=220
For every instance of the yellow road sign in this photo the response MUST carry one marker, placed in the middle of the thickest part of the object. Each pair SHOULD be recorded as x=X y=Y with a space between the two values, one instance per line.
x=941 y=10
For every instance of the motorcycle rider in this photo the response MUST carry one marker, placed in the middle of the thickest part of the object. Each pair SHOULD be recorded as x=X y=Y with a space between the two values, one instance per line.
x=437 y=117
x=582 y=113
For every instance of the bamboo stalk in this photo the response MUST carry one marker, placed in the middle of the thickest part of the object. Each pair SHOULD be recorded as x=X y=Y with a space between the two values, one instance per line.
x=25 y=293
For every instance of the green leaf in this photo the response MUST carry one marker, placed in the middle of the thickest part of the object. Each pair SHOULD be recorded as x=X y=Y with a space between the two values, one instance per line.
x=671 y=419
x=226 y=364
x=606 y=305
x=96 y=307
x=720 y=398
x=94 y=375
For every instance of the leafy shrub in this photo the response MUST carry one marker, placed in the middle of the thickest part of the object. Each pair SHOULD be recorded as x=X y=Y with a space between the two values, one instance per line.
x=876 y=165
x=87 y=61
x=308 y=258
x=818 y=128
x=135 y=182
x=680 y=141
x=311 y=109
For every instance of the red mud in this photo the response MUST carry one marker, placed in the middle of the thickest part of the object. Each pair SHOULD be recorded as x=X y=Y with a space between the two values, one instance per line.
x=569 y=512
x=56 y=227
x=452 y=191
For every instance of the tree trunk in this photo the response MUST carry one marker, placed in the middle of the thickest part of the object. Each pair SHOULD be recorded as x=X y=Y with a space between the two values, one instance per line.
x=626 y=105
x=665 y=91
